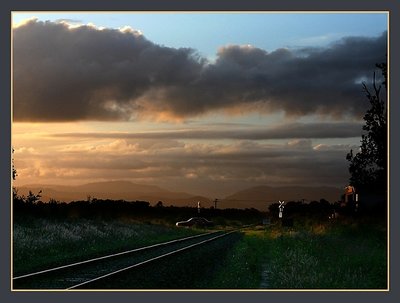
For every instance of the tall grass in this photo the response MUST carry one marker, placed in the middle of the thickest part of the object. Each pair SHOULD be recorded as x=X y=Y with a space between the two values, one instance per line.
x=242 y=267
x=349 y=254
x=40 y=242
x=327 y=261
x=343 y=255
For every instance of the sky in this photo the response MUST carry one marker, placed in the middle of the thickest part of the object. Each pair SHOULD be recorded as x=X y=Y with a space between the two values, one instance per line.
x=206 y=103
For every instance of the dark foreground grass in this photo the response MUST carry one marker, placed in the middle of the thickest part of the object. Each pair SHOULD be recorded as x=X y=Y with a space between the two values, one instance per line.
x=40 y=243
x=242 y=269
x=335 y=259
x=343 y=255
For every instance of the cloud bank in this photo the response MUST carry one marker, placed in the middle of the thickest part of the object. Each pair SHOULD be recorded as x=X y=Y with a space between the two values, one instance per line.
x=207 y=169
x=286 y=131
x=70 y=73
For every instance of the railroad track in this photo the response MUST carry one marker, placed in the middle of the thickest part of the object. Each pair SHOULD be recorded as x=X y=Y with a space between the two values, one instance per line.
x=88 y=273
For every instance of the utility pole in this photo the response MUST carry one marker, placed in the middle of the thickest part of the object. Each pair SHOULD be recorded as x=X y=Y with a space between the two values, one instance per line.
x=215 y=203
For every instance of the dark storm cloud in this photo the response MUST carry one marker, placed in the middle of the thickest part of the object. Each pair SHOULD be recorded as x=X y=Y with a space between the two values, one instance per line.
x=83 y=73
x=286 y=131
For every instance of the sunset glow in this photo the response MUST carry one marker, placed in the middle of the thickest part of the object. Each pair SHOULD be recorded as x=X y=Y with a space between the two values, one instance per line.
x=106 y=102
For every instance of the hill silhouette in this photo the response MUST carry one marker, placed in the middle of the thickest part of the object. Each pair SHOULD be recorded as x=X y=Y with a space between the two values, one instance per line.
x=258 y=197
x=116 y=190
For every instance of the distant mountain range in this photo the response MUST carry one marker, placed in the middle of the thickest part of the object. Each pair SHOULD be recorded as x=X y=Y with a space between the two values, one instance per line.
x=257 y=197
x=114 y=190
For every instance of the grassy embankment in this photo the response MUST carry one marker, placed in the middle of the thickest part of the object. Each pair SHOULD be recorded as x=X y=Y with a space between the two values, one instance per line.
x=42 y=243
x=347 y=254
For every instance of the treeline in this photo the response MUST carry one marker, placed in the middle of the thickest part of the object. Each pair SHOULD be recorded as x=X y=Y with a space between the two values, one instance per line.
x=107 y=209
x=323 y=209
x=318 y=209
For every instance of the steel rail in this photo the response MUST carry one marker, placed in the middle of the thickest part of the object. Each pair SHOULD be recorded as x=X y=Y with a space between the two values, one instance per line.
x=112 y=255
x=150 y=260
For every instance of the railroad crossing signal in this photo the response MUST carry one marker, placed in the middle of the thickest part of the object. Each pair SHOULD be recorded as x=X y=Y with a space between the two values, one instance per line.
x=281 y=207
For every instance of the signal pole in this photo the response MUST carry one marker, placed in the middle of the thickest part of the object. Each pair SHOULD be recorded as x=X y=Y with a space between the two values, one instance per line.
x=281 y=207
x=215 y=203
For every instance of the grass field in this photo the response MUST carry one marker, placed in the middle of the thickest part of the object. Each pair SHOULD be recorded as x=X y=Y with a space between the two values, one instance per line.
x=345 y=254
x=40 y=243
x=339 y=255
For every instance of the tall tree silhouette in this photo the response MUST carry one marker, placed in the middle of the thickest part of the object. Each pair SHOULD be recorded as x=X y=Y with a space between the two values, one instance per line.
x=368 y=167
x=14 y=176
